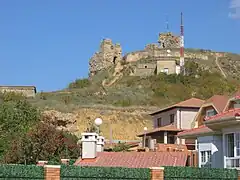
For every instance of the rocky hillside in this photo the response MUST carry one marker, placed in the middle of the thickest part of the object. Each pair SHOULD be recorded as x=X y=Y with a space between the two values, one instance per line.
x=123 y=93
x=124 y=101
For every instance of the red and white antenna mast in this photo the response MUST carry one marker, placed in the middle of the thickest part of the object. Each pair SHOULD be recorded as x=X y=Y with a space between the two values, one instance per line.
x=182 y=46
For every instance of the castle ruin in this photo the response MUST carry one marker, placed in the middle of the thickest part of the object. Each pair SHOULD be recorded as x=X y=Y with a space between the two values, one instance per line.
x=108 y=55
x=162 y=56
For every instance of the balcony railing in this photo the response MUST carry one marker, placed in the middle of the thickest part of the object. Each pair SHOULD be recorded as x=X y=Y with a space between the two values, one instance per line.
x=233 y=162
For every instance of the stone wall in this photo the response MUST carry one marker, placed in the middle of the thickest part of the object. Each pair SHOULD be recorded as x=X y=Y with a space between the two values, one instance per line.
x=145 y=69
x=166 y=65
x=28 y=91
x=152 y=50
x=169 y=40
x=108 y=55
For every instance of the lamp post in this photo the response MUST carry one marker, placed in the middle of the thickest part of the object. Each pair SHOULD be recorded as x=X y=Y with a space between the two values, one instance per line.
x=144 y=138
x=98 y=122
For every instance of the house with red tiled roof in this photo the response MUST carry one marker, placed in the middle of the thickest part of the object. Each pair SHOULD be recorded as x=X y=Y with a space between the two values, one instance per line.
x=93 y=156
x=167 y=122
x=217 y=132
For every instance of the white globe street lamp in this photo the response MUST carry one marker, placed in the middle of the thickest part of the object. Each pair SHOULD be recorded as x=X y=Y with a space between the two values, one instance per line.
x=98 y=122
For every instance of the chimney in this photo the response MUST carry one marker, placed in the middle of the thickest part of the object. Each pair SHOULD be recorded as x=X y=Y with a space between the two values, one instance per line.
x=100 y=144
x=65 y=161
x=42 y=163
x=89 y=145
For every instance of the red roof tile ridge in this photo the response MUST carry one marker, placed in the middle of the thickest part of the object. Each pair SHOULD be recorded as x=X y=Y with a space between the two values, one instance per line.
x=187 y=100
x=222 y=114
x=237 y=97
x=193 y=129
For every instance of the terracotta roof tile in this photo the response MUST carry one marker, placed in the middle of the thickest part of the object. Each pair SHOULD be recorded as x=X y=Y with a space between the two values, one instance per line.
x=219 y=102
x=136 y=159
x=192 y=102
x=195 y=131
x=170 y=127
x=226 y=114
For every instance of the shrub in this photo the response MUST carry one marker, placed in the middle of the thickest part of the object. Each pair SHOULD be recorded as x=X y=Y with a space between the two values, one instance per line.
x=79 y=83
x=21 y=172
x=183 y=173
x=77 y=172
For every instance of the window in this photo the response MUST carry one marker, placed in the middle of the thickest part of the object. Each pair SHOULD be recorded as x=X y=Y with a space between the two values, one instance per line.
x=171 y=140
x=210 y=112
x=145 y=66
x=172 y=118
x=165 y=70
x=159 y=122
x=236 y=104
x=232 y=147
x=206 y=158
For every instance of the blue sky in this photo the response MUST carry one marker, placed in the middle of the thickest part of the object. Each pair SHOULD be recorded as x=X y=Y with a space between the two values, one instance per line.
x=48 y=43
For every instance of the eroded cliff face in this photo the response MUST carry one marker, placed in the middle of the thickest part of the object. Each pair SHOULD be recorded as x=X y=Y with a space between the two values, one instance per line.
x=118 y=124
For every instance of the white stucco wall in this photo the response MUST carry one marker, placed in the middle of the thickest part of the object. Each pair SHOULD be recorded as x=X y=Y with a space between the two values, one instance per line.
x=187 y=116
x=213 y=144
x=165 y=117
x=183 y=117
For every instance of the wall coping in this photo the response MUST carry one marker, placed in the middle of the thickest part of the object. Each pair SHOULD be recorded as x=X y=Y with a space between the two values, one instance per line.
x=52 y=166
x=157 y=168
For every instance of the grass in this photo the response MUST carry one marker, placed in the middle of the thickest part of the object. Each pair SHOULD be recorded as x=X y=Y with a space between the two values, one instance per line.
x=128 y=101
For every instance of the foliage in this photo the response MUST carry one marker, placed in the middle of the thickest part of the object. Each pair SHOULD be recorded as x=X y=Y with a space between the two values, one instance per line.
x=74 y=172
x=79 y=83
x=198 y=83
x=21 y=172
x=16 y=117
x=121 y=147
x=43 y=142
x=182 y=173
x=11 y=96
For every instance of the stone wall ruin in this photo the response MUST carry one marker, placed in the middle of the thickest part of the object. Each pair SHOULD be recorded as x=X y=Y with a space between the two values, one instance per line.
x=108 y=55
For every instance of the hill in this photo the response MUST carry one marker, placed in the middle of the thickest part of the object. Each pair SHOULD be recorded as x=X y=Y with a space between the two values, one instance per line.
x=124 y=105
x=123 y=90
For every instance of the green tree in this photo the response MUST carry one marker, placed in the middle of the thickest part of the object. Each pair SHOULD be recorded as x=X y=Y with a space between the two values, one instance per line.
x=43 y=142
x=16 y=118
x=121 y=147
x=79 y=83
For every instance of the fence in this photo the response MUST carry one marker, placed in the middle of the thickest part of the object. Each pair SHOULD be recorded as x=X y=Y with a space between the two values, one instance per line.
x=182 y=173
x=68 y=172
x=102 y=173
x=21 y=172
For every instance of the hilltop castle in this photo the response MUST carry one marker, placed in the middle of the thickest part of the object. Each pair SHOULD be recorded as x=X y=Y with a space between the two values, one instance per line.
x=154 y=58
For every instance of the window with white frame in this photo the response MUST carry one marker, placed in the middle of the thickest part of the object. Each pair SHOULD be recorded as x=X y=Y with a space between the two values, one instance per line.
x=210 y=112
x=236 y=104
x=206 y=158
x=165 y=70
x=232 y=149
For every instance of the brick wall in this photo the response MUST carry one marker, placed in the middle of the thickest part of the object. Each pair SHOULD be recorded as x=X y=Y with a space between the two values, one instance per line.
x=52 y=172
x=157 y=173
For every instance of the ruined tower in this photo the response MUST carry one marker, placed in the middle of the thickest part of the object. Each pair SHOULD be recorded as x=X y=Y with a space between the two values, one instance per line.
x=169 y=40
x=108 y=55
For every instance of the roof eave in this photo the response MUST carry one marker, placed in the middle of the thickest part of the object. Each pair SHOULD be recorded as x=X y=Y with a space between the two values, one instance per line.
x=195 y=135
x=172 y=107
x=221 y=120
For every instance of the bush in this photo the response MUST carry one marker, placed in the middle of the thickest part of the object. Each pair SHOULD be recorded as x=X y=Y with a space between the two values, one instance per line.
x=182 y=173
x=77 y=172
x=79 y=83
x=21 y=172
